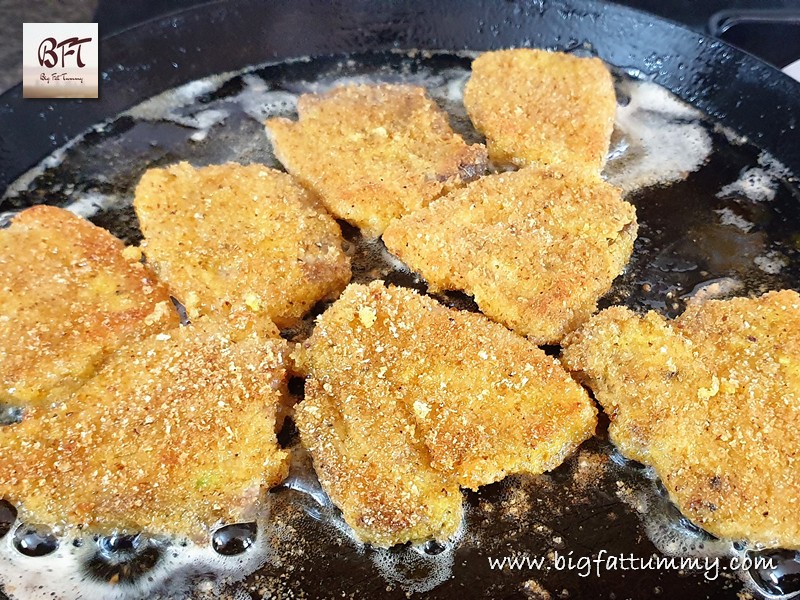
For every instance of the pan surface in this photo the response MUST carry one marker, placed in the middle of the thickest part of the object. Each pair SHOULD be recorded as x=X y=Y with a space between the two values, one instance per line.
x=710 y=231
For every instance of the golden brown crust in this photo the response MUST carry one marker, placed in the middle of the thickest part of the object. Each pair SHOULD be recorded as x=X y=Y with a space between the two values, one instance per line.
x=374 y=467
x=536 y=247
x=172 y=435
x=70 y=294
x=540 y=107
x=407 y=399
x=712 y=402
x=374 y=153
x=230 y=236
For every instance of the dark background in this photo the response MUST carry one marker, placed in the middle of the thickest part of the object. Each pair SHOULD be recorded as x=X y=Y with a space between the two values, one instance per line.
x=774 y=42
x=115 y=15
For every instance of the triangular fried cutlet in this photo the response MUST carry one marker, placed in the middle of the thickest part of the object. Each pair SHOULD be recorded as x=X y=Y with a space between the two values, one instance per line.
x=543 y=108
x=406 y=400
x=536 y=247
x=228 y=236
x=374 y=152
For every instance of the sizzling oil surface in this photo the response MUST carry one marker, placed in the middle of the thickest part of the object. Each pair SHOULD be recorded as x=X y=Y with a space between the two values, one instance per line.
x=717 y=217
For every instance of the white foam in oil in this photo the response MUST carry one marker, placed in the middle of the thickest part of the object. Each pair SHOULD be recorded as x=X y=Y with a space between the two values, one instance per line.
x=658 y=139
x=182 y=567
x=167 y=104
x=732 y=219
x=771 y=263
x=415 y=568
x=87 y=204
x=713 y=289
x=675 y=536
x=418 y=568
x=757 y=184
x=259 y=101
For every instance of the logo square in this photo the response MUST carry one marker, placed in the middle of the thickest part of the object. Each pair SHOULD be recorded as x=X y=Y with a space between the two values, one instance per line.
x=60 y=60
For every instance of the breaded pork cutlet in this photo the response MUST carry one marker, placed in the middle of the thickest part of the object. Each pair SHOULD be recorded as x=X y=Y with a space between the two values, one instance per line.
x=230 y=236
x=712 y=401
x=536 y=247
x=545 y=108
x=374 y=152
x=70 y=293
x=172 y=435
x=407 y=399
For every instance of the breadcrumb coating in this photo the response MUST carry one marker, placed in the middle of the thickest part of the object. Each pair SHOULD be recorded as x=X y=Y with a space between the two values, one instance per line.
x=540 y=107
x=70 y=294
x=230 y=236
x=374 y=152
x=172 y=435
x=712 y=401
x=407 y=399
x=536 y=247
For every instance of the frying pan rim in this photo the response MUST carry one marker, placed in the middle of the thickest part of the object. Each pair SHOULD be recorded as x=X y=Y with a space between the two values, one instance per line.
x=56 y=127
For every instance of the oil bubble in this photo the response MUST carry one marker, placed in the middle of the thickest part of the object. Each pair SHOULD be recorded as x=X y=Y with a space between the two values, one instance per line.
x=781 y=577
x=10 y=415
x=122 y=558
x=433 y=548
x=234 y=539
x=35 y=540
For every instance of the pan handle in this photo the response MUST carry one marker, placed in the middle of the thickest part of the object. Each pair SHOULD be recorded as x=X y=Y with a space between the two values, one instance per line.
x=723 y=20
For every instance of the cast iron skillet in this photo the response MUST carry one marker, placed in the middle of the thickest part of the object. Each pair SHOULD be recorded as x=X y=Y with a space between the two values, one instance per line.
x=578 y=513
x=738 y=90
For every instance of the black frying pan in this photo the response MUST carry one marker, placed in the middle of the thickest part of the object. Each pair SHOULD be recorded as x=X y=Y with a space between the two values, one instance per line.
x=578 y=507
x=736 y=89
